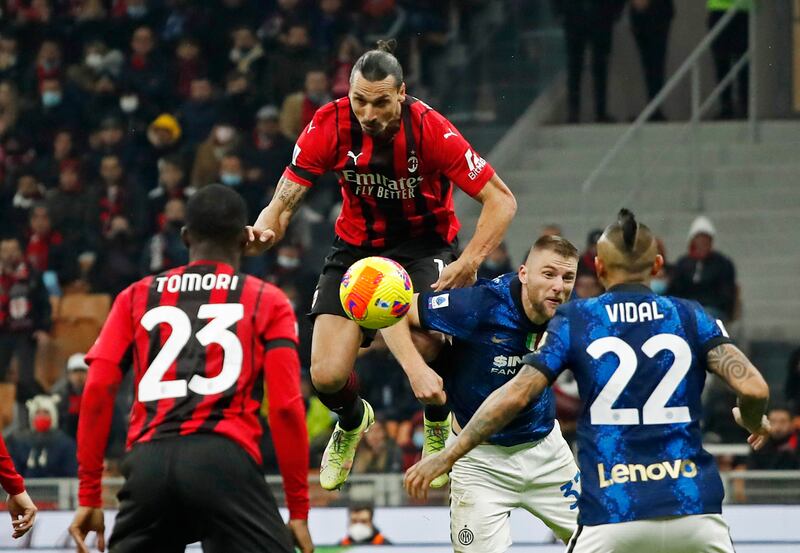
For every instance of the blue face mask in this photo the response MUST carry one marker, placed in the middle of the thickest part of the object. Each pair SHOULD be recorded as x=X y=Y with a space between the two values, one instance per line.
x=51 y=98
x=137 y=12
x=418 y=438
x=230 y=179
x=659 y=286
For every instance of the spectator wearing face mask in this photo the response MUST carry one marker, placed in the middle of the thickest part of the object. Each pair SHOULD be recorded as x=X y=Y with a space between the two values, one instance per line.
x=704 y=274
x=44 y=450
x=55 y=110
x=171 y=186
x=361 y=529
x=299 y=108
x=17 y=209
x=10 y=68
x=166 y=249
x=660 y=282
x=223 y=139
x=69 y=391
x=46 y=251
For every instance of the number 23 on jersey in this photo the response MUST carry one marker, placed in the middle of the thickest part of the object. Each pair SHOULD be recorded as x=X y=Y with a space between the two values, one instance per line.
x=153 y=387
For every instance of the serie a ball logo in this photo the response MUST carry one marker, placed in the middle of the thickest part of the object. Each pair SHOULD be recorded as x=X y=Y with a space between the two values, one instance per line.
x=376 y=292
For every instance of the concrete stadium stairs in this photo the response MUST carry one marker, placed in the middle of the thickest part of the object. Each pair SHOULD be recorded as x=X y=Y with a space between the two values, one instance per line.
x=751 y=192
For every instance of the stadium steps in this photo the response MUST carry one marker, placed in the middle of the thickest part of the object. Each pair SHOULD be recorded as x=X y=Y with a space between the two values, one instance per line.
x=750 y=191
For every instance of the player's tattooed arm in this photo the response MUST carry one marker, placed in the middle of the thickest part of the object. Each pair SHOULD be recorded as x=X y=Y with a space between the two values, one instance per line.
x=290 y=194
x=274 y=219
x=500 y=408
x=497 y=411
x=730 y=364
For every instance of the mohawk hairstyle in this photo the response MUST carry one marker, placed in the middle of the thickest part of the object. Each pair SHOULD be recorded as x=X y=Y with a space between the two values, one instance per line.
x=634 y=243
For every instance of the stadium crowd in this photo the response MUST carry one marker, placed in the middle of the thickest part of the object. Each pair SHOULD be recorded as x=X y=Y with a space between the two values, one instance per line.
x=112 y=113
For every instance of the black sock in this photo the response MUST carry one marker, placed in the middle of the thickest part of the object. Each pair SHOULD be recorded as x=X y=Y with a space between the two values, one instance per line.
x=346 y=403
x=437 y=413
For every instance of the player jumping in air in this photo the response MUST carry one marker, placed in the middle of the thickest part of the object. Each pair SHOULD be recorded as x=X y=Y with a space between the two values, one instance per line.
x=203 y=340
x=397 y=160
x=640 y=361
x=493 y=325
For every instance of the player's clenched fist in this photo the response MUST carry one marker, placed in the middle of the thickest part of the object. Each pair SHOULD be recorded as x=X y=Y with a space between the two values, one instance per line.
x=458 y=274
x=419 y=477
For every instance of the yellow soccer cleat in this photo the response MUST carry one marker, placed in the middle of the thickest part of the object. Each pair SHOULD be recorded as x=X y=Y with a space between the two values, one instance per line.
x=436 y=434
x=340 y=451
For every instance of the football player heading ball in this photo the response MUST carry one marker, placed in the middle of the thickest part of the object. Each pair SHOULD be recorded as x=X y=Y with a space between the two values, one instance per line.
x=397 y=160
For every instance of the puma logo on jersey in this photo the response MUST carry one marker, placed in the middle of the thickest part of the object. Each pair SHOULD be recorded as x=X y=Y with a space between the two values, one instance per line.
x=354 y=156
x=311 y=127
x=623 y=473
x=449 y=133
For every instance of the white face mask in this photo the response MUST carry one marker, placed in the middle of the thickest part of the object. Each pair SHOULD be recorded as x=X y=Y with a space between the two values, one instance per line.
x=94 y=60
x=223 y=134
x=129 y=104
x=359 y=531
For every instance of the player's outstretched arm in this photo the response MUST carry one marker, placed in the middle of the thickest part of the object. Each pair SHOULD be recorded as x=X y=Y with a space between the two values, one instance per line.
x=752 y=391
x=495 y=412
x=499 y=207
x=274 y=219
x=428 y=387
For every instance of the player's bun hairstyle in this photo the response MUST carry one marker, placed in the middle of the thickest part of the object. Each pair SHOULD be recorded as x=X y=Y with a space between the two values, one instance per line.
x=217 y=214
x=634 y=241
x=627 y=221
x=379 y=63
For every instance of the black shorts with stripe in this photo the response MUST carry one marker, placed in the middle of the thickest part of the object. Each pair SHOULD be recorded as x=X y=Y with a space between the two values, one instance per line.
x=424 y=260
x=197 y=488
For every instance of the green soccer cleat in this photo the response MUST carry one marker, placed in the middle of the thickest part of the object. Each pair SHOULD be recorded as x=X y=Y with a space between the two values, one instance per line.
x=436 y=434
x=340 y=451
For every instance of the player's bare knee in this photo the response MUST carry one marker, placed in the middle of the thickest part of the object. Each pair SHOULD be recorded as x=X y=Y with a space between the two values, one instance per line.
x=328 y=376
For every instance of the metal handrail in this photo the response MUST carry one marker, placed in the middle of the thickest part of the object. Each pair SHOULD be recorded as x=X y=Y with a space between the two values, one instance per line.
x=691 y=65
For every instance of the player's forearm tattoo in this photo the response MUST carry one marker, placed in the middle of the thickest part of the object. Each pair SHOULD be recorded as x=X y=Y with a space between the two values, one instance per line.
x=730 y=363
x=503 y=405
x=290 y=193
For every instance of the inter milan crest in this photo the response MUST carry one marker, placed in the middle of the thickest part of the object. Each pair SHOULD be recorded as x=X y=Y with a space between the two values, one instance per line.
x=413 y=163
x=465 y=536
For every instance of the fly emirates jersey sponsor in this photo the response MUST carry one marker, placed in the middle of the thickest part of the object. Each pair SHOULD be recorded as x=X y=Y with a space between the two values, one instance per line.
x=396 y=189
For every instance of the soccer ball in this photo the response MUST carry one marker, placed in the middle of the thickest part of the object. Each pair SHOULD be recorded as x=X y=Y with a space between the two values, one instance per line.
x=376 y=292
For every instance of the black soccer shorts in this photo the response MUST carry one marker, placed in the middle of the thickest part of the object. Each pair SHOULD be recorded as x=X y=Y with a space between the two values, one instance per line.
x=200 y=487
x=423 y=259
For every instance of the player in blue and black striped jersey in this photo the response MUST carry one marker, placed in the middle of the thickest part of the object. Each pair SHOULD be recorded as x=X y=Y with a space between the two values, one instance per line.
x=492 y=325
x=640 y=361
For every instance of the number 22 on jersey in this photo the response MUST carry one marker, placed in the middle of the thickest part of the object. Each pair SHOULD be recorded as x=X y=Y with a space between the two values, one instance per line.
x=223 y=316
x=654 y=410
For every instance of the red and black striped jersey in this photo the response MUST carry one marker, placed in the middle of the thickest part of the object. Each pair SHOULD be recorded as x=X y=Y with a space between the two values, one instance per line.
x=395 y=189
x=196 y=338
